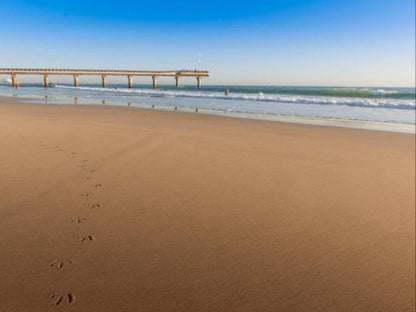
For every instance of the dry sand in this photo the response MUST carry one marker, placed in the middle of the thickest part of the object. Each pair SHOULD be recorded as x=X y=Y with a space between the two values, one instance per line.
x=201 y=213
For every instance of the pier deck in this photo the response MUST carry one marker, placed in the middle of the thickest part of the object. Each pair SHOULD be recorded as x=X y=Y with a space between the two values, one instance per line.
x=13 y=72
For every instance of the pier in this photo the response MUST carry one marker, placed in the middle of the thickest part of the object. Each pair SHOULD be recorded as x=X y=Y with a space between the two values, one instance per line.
x=129 y=74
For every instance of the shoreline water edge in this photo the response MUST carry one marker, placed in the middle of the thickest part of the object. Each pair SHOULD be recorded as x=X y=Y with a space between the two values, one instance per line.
x=380 y=109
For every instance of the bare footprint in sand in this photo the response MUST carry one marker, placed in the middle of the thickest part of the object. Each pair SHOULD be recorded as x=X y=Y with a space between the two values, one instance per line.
x=58 y=265
x=77 y=220
x=62 y=299
x=86 y=195
x=93 y=171
x=98 y=185
x=85 y=238
x=96 y=205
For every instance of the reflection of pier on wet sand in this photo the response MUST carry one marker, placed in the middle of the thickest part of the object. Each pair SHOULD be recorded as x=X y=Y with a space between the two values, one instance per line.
x=198 y=74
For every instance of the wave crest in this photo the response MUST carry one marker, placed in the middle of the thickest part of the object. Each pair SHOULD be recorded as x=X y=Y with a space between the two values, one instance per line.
x=384 y=102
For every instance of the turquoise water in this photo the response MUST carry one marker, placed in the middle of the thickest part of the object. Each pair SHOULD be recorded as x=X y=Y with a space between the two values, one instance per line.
x=393 y=93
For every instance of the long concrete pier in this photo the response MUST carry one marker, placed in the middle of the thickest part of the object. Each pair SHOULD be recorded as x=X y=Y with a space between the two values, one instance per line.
x=178 y=74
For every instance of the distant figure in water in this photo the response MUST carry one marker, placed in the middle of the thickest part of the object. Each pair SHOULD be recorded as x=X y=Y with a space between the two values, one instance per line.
x=227 y=92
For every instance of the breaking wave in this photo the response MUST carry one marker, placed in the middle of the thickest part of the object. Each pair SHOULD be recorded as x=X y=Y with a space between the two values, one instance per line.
x=375 y=97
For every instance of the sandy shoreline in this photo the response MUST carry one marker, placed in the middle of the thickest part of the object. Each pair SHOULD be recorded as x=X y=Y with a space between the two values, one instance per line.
x=135 y=210
x=388 y=126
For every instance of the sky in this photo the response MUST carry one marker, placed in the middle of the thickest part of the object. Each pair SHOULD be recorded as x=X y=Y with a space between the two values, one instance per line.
x=262 y=42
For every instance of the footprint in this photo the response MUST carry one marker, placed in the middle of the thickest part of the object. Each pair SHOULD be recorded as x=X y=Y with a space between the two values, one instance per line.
x=87 y=178
x=96 y=205
x=98 y=185
x=85 y=238
x=61 y=299
x=93 y=170
x=57 y=265
x=77 y=220
x=86 y=195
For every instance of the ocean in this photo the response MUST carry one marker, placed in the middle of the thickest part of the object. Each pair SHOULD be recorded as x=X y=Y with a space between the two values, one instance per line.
x=378 y=108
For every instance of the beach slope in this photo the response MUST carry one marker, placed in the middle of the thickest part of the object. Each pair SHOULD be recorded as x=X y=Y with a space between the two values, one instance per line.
x=118 y=209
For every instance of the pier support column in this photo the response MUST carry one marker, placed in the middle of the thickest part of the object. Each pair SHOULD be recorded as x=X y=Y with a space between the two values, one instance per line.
x=130 y=78
x=178 y=80
x=46 y=80
x=198 y=81
x=154 y=81
x=104 y=79
x=76 y=81
x=14 y=81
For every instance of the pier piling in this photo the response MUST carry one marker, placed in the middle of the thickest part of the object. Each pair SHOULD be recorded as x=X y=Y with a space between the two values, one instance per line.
x=130 y=79
x=14 y=81
x=46 y=80
x=76 y=81
x=178 y=80
x=154 y=81
x=198 y=82
x=104 y=79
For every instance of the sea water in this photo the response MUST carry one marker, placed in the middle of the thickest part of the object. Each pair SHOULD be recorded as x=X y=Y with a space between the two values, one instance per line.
x=378 y=108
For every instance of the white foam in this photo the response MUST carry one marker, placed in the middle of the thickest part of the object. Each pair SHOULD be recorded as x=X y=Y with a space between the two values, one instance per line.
x=278 y=98
x=384 y=92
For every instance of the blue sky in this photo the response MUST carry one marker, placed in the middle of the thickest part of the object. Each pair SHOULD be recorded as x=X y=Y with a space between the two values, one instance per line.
x=311 y=42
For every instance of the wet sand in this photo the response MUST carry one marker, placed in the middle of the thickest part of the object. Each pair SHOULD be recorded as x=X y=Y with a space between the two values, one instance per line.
x=117 y=209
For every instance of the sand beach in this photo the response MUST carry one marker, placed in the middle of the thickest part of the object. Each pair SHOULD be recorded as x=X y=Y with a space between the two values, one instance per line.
x=119 y=209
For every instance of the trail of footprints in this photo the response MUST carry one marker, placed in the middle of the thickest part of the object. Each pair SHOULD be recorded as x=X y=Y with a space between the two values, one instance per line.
x=65 y=298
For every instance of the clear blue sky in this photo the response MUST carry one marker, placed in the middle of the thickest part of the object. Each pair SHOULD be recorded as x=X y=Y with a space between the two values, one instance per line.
x=277 y=42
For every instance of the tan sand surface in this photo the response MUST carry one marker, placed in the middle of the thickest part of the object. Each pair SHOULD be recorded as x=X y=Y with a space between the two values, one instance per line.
x=201 y=213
